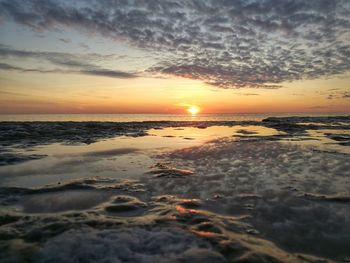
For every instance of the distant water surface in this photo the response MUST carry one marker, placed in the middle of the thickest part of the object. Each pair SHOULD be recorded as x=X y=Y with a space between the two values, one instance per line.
x=155 y=117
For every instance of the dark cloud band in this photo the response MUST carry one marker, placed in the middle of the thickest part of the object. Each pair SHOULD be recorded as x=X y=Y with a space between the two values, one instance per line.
x=104 y=73
x=68 y=63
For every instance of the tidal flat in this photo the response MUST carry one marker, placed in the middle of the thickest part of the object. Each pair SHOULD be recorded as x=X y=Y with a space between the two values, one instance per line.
x=275 y=190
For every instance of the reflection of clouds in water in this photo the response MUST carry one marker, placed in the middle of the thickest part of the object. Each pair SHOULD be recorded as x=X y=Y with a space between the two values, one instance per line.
x=261 y=166
x=123 y=162
x=268 y=180
x=121 y=156
x=111 y=153
x=306 y=226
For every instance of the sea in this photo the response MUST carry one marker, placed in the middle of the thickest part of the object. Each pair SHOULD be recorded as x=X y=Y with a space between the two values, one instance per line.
x=156 y=117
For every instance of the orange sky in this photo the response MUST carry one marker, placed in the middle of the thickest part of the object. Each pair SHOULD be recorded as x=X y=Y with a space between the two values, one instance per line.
x=85 y=94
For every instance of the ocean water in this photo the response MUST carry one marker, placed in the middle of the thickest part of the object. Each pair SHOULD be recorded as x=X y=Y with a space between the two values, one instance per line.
x=219 y=188
x=155 y=117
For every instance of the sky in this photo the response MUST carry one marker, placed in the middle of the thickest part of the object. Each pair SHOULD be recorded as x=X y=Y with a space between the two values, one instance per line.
x=165 y=56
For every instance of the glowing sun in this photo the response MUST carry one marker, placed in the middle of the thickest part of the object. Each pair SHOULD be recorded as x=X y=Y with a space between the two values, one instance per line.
x=193 y=110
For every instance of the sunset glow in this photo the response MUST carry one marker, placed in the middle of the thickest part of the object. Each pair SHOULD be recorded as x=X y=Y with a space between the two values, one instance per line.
x=194 y=110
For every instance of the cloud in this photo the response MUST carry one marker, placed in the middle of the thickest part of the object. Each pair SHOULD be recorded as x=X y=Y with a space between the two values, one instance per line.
x=339 y=95
x=3 y=92
x=229 y=44
x=65 y=40
x=109 y=73
x=84 y=46
x=247 y=94
x=102 y=73
x=68 y=63
x=320 y=107
x=5 y=66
